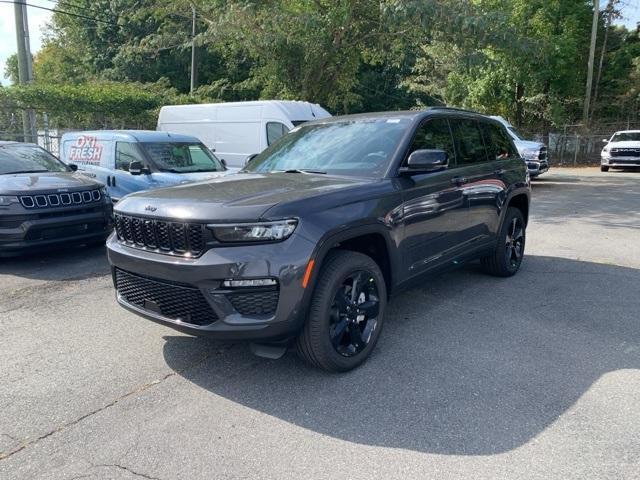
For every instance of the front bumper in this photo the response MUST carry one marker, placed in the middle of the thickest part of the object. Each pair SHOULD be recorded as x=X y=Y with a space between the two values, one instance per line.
x=166 y=288
x=537 y=167
x=20 y=233
x=620 y=161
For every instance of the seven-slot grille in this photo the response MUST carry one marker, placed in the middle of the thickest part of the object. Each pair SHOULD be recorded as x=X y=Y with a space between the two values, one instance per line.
x=53 y=200
x=172 y=301
x=625 y=152
x=176 y=238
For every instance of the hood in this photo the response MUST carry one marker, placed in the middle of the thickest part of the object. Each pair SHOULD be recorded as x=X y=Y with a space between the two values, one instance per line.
x=527 y=145
x=45 y=181
x=625 y=144
x=169 y=179
x=242 y=196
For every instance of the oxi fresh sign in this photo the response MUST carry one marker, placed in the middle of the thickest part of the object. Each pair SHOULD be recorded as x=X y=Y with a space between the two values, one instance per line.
x=86 y=150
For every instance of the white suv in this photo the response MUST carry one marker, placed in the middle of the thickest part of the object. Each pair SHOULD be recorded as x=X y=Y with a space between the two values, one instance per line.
x=535 y=154
x=622 y=150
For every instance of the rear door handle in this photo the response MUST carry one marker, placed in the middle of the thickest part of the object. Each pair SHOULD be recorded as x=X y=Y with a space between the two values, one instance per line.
x=459 y=180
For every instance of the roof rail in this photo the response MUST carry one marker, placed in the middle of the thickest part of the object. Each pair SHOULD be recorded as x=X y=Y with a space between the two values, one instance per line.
x=455 y=109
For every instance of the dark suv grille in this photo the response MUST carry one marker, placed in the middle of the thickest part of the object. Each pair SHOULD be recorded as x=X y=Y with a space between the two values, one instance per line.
x=255 y=303
x=176 y=302
x=625 y=152
x=53 y=200
x=175 y=238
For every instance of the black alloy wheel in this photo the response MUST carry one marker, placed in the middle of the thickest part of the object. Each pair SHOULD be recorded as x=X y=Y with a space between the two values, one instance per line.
x=507 y=256
x=354 y=313
x=346 y=314
x=515 y=242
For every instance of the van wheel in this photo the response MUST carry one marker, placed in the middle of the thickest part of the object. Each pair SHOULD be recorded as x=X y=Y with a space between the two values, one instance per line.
x=507 y=256
x=346 y=313
x=604 y=168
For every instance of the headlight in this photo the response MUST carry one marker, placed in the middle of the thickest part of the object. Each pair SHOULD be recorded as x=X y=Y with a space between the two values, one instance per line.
x=254 y=232
x=105 y=192
x=6 y=200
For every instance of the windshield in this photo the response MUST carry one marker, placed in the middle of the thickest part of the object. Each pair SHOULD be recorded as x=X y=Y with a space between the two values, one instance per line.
x=354 y=148
x=626 y=137
x=28 y=159
x=182 y=157
x=513 y=131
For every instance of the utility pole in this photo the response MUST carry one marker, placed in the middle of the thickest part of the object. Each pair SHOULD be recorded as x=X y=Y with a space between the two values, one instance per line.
x=194 y=70
x=25 y=71
x=592 y=53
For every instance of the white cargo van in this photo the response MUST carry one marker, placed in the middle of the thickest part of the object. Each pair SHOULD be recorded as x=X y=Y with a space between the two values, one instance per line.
x=237 y=130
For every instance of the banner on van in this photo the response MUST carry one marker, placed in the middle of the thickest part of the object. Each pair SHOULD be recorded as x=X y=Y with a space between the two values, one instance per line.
x=86 y=150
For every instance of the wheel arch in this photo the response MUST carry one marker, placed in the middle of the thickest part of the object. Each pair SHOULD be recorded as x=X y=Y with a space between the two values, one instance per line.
x=371 y=240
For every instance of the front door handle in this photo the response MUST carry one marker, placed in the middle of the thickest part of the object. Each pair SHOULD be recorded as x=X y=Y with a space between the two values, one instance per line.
x=500 y=172
x=459 y=180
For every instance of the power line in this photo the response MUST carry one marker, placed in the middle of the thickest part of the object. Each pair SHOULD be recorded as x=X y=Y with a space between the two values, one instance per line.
x=55 y=10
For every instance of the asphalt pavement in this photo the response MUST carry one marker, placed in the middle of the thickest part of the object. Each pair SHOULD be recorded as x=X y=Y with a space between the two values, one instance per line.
x=474 y=377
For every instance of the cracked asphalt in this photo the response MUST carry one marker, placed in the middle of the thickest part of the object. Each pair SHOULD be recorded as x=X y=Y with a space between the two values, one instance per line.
x=474 y=377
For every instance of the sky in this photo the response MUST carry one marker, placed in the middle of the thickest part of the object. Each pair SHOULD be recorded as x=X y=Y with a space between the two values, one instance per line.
x=38 y=19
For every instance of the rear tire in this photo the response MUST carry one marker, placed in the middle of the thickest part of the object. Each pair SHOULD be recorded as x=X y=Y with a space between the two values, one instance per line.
x=346 y=313
x=507 y=257
x=604 y=168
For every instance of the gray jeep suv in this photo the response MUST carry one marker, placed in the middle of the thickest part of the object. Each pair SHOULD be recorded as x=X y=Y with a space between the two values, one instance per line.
x=44 y=203
x=306 y=244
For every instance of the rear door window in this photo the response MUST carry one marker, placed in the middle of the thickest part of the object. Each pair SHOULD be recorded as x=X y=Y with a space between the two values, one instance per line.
x=469 y=142
x=275 y=130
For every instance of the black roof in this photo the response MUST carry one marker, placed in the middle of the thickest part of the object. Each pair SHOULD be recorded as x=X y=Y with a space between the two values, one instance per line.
x=408 y=114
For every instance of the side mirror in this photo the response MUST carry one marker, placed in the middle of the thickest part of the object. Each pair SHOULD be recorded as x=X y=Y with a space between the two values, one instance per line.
x=136 y=168
x=250 y=158
x=224 y=162
x=604 y=140
x=73 y=167
x=423 y=161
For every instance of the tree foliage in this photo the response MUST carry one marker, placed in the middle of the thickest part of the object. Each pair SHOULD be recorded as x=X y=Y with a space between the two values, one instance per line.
x=523 y=59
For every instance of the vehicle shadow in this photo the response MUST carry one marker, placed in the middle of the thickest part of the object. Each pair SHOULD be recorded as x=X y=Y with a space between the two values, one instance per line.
x=77 y=263
x=467 y=365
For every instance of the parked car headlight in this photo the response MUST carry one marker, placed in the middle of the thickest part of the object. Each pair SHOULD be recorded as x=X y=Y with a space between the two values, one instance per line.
x=105 y=192
x=254 y=232
x=6 y=200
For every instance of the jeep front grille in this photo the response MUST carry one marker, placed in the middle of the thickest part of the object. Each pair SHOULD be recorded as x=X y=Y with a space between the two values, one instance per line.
x=174 y=238
x=53 y=200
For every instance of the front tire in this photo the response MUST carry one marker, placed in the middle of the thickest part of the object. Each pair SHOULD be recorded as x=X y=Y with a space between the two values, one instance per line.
x=346 y=313
x=509 y=252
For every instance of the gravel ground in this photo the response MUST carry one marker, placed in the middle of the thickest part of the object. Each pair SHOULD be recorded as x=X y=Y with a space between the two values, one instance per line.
x=537 y=376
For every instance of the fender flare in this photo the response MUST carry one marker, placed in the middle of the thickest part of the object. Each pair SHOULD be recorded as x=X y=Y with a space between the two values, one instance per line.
x=331 y=239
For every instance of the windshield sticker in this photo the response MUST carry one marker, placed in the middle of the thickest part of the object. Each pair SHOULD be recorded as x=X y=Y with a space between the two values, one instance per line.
x=86 y=150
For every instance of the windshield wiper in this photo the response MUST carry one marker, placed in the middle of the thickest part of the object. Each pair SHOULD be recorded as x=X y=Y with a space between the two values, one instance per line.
x=25 y=171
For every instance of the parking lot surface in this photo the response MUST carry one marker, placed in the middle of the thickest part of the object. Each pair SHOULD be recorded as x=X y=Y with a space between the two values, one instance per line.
x=537 y=376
